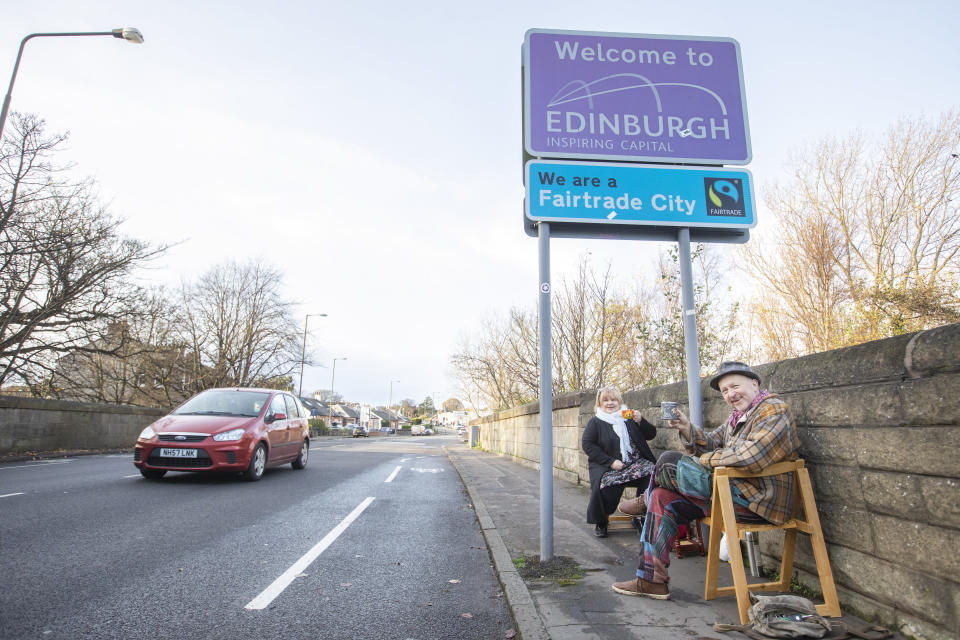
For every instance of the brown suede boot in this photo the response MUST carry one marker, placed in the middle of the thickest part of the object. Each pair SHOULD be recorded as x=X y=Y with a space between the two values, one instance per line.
x=636 y=507
x=640 y=587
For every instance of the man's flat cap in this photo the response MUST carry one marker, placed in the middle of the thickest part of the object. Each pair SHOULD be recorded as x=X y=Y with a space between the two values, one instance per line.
x=727 y=368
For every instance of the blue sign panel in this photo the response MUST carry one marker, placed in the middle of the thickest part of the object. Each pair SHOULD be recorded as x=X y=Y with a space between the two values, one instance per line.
x=633 y=194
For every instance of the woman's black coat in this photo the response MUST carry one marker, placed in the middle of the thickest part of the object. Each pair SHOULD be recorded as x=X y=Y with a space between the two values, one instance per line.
x=602 y=445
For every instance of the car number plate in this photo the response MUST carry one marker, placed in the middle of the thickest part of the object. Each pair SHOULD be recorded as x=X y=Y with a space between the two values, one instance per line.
x=178 y=453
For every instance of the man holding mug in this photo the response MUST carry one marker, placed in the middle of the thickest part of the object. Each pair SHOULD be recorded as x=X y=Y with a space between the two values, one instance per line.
x=760 y=432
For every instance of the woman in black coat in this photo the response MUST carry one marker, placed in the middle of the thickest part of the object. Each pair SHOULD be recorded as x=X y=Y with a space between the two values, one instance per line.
x=614 y=465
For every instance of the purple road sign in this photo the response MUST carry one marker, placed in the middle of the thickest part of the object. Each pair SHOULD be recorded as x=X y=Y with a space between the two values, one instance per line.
x=618 y=96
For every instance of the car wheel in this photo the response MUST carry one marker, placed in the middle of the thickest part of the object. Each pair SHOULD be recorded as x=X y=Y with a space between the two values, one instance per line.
x=258 y=462
x=301 y=461
x=152 y=474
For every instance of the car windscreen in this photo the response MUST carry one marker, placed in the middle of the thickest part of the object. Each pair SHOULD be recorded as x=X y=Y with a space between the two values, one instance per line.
x=224 y=403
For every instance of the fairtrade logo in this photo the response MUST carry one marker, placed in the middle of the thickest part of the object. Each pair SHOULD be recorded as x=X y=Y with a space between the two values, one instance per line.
x=724 y=197
x=723 y=188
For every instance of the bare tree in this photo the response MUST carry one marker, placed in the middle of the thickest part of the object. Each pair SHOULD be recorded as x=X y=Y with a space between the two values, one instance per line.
x=140 y=360
x=867 y=240
x=599 y=336
x=65 y=268
x=452 y=404
x=237 y=328
x=592 y=330
x=661 y=337
x=490 y=364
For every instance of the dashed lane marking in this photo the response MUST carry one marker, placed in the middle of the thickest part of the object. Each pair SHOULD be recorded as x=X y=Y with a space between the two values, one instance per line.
x=393 y=475
x=267 y=596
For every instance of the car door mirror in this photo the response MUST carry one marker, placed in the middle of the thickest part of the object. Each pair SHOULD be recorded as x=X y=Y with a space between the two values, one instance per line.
x=279 y=416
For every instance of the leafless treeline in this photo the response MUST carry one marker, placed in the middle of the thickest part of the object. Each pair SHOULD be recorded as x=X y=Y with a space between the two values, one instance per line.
x=860 y=243
x=600 y=334
x=75 y=322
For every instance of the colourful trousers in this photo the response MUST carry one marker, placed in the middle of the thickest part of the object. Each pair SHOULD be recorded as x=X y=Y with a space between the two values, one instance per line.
x=672 y=500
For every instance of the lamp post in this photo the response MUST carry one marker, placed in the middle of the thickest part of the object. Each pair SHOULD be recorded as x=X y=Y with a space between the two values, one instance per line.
x=127 y=33
x=390 y=403
x=333 y=372
x=303 y=354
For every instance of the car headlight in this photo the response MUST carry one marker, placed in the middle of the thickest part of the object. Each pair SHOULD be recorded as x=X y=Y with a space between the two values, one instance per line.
x=233 y=434
x=146 y=434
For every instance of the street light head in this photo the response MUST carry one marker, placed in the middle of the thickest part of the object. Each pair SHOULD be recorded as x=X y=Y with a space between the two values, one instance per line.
x=130 y=34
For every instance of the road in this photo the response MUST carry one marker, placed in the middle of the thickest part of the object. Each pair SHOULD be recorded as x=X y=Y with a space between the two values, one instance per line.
x=386 y=540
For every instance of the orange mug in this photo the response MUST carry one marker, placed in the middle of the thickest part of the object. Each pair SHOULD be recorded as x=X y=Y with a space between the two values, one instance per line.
x=626 y=414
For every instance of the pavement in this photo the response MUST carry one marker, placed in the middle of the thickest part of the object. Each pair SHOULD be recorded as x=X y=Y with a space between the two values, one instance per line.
x=506 y=498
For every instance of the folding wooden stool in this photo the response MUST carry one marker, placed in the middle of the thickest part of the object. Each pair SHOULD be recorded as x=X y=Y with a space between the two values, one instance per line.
x=723 y=519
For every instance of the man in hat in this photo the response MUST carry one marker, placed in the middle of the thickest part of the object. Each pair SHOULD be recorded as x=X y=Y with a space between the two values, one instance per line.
x=759 y=433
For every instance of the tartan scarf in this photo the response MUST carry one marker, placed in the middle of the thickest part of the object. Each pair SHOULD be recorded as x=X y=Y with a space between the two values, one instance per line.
x=736 y=416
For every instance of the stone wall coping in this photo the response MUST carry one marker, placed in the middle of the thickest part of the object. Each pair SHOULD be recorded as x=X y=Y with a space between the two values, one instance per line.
x=45 y=404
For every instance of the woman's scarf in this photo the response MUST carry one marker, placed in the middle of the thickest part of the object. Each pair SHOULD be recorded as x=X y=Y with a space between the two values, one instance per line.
x=736 y=416
x=616 y=421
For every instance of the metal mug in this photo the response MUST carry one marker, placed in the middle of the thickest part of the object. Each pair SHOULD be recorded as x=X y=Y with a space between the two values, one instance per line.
x=668 y=410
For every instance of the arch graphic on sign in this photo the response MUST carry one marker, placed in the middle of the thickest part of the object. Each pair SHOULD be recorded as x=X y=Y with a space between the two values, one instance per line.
x=564 y=96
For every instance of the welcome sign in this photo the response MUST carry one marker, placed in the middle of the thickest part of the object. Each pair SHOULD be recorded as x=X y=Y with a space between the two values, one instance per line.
x=630 y=97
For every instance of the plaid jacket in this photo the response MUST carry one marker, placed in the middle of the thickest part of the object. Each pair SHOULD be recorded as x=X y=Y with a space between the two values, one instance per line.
x=765 y=435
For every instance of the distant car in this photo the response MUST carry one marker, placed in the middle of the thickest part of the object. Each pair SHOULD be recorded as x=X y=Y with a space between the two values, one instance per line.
x=361 y=432
x=236 y=429
x=428 y=431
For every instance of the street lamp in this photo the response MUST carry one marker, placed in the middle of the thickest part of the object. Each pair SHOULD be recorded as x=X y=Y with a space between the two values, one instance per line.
x=390 y=403
x=127 y=33
x=333 y=372
x=303 y=354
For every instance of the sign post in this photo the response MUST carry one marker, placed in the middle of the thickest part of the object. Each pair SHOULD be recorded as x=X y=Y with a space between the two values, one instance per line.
x=594 y=106
x=546 y=399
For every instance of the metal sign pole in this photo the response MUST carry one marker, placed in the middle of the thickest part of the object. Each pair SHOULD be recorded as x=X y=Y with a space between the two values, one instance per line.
x=546 y=398
x=690 y=328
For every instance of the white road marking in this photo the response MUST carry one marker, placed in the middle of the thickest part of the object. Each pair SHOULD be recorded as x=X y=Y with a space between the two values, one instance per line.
x=267 y=596
x=393 y=475
x=10 y=495
x=136 y=475
x=45 y=463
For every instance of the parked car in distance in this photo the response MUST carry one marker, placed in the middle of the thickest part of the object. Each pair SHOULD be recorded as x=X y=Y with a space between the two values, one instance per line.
x=237 y=429
x=361 y=432
x=428 y=431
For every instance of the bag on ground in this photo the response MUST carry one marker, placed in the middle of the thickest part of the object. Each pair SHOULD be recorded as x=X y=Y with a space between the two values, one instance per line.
x=783 y=616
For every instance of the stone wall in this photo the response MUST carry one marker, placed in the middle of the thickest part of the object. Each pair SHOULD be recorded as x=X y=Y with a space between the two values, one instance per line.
x=35 y=424
x=880 y=430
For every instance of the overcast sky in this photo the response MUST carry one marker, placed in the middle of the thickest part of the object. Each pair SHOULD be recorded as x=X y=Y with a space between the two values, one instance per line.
x=372 y=150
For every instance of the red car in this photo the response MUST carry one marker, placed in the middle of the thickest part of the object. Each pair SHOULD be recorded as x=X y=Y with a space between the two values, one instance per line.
x=241 y=429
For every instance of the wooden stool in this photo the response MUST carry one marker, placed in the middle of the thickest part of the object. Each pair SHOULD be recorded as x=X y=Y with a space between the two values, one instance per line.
x=722 y=519
x=690 y=544
x=620 y=522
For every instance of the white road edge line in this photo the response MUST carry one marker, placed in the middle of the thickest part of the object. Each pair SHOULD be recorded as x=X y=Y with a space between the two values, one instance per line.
x=136 y=475
x=10 y=495
x=393 y=475
x=267 y=596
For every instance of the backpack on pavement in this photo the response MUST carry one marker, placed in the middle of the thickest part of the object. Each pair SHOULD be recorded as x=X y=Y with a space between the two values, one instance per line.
x=783 y=616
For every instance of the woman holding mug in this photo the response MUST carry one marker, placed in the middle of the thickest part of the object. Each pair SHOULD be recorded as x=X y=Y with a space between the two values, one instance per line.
x=619 y=457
